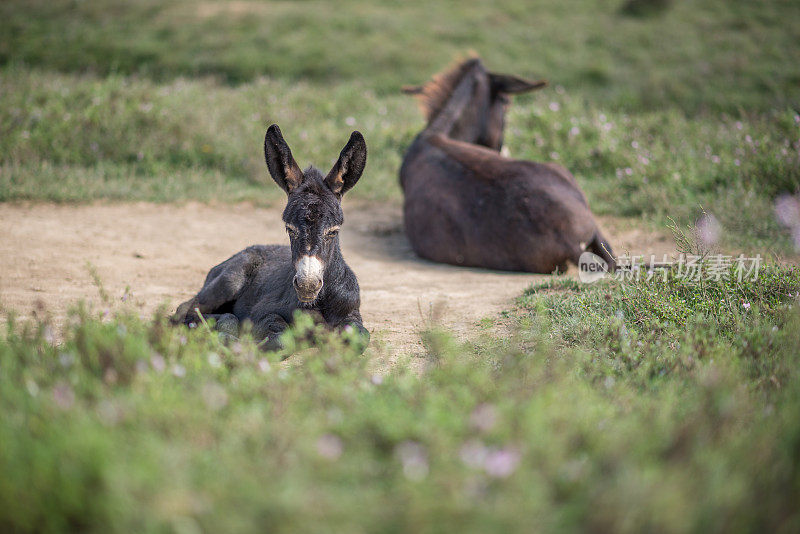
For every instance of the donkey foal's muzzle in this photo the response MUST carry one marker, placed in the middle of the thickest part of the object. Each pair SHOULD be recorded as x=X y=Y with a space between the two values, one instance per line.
x=308 y=278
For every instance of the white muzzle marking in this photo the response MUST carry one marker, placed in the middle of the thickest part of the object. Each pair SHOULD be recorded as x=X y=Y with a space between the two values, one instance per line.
x=308 y=277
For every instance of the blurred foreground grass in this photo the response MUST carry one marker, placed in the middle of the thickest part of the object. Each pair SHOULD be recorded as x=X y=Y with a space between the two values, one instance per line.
x=614 y=407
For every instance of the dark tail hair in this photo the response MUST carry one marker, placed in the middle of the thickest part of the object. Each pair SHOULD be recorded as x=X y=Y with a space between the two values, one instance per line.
x=599 y=245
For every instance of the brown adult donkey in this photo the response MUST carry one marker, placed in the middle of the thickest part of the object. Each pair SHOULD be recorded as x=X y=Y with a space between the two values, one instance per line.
x=466 y=204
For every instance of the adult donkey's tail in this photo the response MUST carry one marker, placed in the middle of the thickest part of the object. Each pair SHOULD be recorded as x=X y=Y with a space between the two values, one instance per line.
x=599 y=245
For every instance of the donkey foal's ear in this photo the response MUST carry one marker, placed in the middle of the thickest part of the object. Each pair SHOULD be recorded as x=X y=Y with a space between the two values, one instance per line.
x=281 y=164
x=506 y=83
x=347 y=170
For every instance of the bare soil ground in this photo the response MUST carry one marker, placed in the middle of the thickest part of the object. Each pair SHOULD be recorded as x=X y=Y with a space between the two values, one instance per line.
x=148 y=255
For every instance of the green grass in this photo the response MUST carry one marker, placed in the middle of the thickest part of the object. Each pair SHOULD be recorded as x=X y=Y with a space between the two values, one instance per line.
x=77 y=138
x=711 y=54
x=73 y=138
x=659 y=108
x=623 y=407
x=666 y=323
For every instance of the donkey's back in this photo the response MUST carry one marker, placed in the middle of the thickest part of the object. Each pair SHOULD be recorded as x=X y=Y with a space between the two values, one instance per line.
x=468 y=205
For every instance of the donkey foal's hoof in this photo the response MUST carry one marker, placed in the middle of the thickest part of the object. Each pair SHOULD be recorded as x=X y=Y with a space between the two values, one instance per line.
x=271 y=343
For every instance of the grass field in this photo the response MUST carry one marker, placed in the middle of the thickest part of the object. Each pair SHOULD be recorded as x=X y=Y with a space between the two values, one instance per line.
x=646 y=406
x=625 y=408
x=711 y=54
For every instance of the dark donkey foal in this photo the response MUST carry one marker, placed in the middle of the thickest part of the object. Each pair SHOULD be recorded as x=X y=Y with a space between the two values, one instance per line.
x=265 y=284
x=466 y=204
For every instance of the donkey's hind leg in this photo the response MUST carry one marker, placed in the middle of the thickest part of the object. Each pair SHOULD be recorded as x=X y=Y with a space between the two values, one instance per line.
x=180 y=315
x=216 y=292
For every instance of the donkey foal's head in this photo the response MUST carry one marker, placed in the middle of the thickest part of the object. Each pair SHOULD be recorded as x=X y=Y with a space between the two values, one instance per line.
x=313 y=212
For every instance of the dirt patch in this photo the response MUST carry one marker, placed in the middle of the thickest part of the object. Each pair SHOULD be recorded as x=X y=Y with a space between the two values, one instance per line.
x=154 y=254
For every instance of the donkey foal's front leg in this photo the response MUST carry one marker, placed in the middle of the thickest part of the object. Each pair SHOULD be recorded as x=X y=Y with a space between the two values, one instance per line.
x=227 y=324
x=354 y=322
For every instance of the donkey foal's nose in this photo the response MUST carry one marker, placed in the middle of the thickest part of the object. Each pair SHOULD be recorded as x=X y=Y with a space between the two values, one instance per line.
x=307 y=285
x=308 y=277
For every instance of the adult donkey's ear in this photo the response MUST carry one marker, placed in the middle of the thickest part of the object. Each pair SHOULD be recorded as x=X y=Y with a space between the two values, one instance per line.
x=281 y=164
x=506 y=83
x=347 y=170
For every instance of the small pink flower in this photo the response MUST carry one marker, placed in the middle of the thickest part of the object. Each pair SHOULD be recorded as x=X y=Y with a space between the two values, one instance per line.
x=158 y=362
x=110 y=376
x=214 y=359
x=746 y=305
x=501 y=463
x=414 y=459
x=48 y=335
x=483 y=417
x=330 y=446
x=708 y=229
x=787 y=210
x=63 y=396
